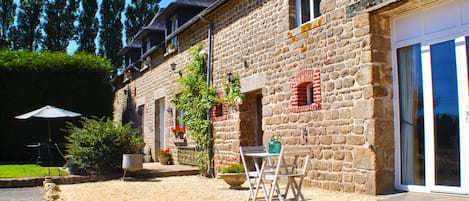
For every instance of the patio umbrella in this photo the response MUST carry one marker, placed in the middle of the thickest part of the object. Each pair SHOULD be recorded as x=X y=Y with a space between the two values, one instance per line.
x=48 y=112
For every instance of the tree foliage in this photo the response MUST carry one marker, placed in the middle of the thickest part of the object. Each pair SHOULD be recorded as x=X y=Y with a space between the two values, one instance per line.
x=111 y=31
x=88 y=28
x=7 y=17
x=139 y=13
x=196 y=99
x=60 y=16
x=99 y=144
x=27 y=33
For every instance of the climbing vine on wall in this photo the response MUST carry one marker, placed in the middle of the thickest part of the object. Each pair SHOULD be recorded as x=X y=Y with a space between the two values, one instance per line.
x=232 y=90
x=196 y=99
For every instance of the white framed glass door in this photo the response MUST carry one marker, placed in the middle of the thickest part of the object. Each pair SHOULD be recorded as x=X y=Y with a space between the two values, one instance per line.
x=430 y=50
x=445 y=95
x=433 y=116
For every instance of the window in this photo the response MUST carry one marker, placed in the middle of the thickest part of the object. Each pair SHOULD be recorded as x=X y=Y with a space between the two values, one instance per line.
x=309 y=94
x=305 y=12
x=148 y=43
x=173 y=28
x=128 y=60
x=179 y=116
x=141 y=118
x=306 y=90
x=219 y=112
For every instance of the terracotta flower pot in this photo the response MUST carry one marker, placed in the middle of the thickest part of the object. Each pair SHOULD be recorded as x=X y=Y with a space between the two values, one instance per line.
x=164 y=160
x=233 y=179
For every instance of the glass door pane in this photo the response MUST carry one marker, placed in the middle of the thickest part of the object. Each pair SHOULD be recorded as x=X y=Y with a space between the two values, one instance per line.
x=446 y=114
x=411 y=115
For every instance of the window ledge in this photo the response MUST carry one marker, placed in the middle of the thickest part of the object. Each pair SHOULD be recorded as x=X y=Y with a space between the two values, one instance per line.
x=306 y=108
x=221 y=118
x=169 y=51
x=307 y=26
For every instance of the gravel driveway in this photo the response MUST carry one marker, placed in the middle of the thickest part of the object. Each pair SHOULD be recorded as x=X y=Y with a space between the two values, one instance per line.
x=180 y=188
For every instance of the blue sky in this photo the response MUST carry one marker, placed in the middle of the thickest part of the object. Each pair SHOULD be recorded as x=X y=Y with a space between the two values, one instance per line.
x=164 y=3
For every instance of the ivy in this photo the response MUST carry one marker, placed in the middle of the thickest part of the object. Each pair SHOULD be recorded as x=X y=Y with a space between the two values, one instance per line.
x=196 y=99
x=232 y=90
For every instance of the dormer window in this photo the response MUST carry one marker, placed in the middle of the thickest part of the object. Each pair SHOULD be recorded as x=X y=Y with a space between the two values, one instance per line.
x=174 y=27
x=307 y=10
x=148 y=43
x=128 y=60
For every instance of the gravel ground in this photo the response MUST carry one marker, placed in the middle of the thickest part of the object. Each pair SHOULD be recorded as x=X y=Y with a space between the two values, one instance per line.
x=21 y=194
x=180 y=188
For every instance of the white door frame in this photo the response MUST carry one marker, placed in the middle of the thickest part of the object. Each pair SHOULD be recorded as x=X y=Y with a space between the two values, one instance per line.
x=404 y=32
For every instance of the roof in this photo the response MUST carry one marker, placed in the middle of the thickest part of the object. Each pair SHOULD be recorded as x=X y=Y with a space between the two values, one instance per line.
x=134 y=44
x=172 y=7
x=154 y=26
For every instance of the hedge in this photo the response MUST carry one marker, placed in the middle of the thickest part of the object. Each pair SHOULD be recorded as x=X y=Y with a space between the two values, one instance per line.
x=29 y=80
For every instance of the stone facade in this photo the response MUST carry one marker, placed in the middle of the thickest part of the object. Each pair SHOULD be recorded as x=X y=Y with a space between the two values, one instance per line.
x=349 y=125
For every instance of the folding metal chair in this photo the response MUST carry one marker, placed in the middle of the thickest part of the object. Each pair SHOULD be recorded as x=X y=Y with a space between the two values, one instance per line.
x=294 y=161
x=251 y=176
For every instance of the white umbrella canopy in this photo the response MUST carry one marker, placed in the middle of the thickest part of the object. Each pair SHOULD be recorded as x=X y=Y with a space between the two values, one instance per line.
x=48 y=112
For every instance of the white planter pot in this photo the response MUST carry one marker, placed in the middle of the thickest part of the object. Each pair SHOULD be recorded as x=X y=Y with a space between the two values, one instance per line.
x=132 y=162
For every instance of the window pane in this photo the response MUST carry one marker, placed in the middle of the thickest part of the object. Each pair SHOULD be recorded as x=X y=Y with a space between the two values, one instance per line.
x=317 y=11
x=446 y=114
x=411 y=115
x=467 y=49
x=305 y=11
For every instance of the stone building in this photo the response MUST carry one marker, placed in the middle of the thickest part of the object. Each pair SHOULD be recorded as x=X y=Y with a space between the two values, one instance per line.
x=377 y=88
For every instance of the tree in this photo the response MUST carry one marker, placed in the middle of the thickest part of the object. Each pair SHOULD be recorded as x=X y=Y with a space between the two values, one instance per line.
x=60 y=16
x=139 y=13
x=88 y=28
x=7 y=17
x=111 y=31
x=27 y=35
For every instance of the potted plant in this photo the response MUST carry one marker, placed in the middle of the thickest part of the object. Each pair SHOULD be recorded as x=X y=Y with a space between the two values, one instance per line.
x=179 y=131
x=171 y=48
x=164 y=156
x=132 y=159
x=232 y=172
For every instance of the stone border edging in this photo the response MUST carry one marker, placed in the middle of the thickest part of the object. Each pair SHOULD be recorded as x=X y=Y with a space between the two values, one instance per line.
x=38 y=181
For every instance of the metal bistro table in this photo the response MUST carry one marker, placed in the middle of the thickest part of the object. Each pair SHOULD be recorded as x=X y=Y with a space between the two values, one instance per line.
x=266 y=163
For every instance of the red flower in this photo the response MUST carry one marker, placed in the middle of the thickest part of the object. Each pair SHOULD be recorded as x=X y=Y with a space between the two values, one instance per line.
x=178 y=128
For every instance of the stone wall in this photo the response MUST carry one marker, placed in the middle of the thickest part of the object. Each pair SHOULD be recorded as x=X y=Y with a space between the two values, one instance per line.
x=351 y=133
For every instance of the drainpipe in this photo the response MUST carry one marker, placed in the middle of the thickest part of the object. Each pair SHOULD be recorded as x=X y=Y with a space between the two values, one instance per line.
x=209 y=79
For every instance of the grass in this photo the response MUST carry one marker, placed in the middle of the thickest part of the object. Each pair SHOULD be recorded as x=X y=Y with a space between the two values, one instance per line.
x=29 y=170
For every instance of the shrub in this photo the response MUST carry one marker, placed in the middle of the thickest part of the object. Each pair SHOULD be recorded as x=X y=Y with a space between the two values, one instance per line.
x=100 y=143
x=231 y=166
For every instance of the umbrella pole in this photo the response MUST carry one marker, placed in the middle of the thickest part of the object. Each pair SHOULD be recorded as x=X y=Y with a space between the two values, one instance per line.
x=48 y=126
x=48 y=148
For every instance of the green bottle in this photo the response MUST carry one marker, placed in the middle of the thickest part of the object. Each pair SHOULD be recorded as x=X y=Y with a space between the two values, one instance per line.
x=274 y=146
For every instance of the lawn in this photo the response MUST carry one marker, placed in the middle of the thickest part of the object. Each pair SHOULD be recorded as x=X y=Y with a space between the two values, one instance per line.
x=29 y=170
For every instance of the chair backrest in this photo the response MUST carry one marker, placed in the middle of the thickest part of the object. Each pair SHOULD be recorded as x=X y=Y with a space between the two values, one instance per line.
x=295 y=159
x=250 y=149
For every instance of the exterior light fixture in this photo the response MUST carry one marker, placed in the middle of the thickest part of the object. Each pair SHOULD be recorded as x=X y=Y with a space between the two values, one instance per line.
x=229 y=76
x=169 y=110
x=173 y=66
